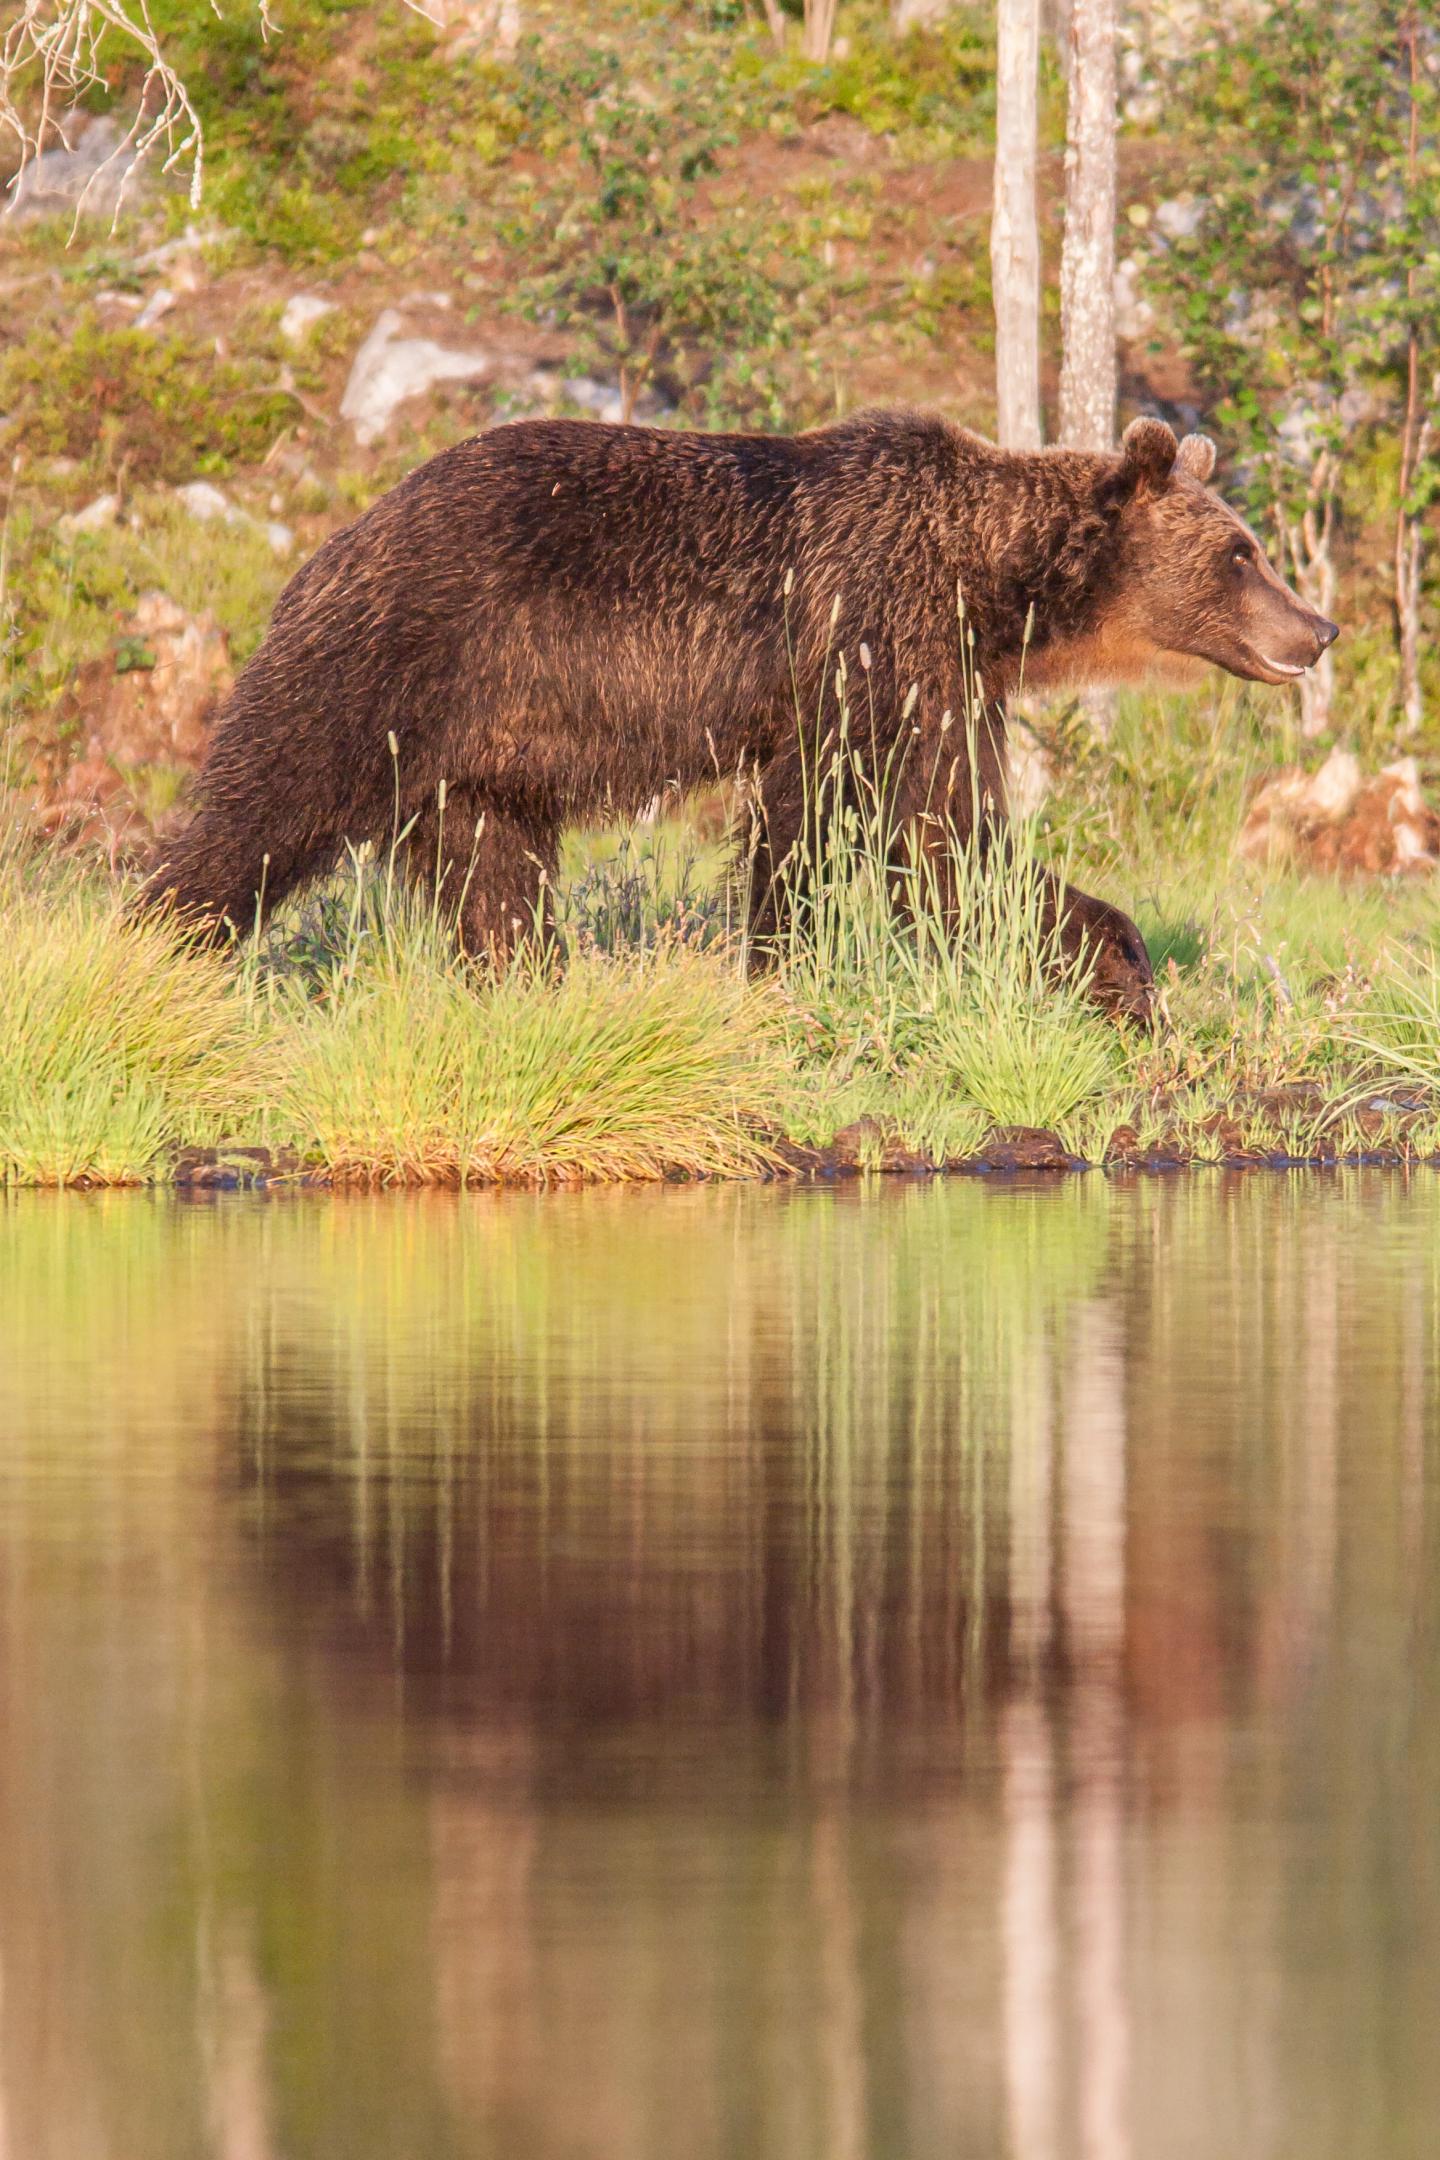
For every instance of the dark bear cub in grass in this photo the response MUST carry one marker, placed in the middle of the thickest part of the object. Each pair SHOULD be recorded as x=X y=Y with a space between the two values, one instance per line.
x=559 y=618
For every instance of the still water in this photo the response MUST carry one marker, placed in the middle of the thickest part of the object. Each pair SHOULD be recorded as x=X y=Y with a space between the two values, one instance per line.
x=874 y=1674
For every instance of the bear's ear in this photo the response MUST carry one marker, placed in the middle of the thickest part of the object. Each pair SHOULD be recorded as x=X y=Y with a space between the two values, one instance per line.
x=1148 y=451
x=1196 y=457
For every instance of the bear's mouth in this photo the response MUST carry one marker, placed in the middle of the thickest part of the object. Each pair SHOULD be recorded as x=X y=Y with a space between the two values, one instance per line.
x=1260 y=667
x=1283 y=668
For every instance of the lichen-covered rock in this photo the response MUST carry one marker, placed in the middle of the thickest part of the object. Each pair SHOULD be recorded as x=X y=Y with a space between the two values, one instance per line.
x=491 y=26
x=301 y=313
x=390 y=368
x=1340 y=819
x=89 y=172
x=148 y=704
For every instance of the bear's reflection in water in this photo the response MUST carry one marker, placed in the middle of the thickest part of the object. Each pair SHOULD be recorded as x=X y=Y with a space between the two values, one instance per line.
x=730 y=1672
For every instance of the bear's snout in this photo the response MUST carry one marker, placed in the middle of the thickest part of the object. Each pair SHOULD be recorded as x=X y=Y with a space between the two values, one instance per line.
x=1283 y=635
x=1303 y=640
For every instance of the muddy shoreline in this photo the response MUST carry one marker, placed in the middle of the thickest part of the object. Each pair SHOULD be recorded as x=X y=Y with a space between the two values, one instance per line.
x=854 y=1153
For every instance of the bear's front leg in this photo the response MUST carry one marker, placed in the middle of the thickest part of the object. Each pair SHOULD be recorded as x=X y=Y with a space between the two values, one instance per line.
x=1103 y=948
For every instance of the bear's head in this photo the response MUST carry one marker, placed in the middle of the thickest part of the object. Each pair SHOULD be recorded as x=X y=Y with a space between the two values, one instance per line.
x=1195 y=583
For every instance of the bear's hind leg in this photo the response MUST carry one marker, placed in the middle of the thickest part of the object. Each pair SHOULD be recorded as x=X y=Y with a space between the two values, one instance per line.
x=221 y=879
x=492 y=867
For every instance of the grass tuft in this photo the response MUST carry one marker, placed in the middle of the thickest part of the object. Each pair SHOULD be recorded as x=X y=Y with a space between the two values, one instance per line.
x=115 y=1044
x=418 y=1067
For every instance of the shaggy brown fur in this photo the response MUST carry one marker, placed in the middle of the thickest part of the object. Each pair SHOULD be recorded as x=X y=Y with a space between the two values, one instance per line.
x=558 y=618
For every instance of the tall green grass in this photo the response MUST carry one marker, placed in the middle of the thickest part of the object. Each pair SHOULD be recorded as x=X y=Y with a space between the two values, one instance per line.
x=936 y=968
x=115 y=1043
x=417 y=1066
x=365 y=1042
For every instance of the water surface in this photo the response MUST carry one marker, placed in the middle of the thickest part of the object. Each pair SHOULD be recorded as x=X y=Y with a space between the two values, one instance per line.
x=872 y=1674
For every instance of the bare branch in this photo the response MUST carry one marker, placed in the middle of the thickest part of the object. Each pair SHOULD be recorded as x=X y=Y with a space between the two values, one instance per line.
x=53 y=52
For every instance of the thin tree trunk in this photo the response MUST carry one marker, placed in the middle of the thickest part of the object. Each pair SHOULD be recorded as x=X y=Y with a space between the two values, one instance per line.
x=1409 y=569
x=1414 y=443
x=1014 y=234
x=1055 y=25
x=1306 y=541
x=775 y=22
x=1087 y=266
x=819 y=29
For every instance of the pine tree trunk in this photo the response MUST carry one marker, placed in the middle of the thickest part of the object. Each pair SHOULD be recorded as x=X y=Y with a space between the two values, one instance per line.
x=1014 y=234
x=1087 y=266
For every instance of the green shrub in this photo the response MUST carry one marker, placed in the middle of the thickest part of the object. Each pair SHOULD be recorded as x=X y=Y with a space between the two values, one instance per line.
x=160 y=408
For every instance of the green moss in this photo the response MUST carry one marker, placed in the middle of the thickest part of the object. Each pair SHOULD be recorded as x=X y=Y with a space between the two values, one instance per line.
x=154 y=407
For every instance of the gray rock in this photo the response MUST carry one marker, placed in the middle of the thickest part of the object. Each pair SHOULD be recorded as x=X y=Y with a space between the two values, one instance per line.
x=389 y=368
x=492 y=26
x=302 y=312
x=161 y=301
x=918 y=14
x=1181 y=217
x=1134 y=316
x=206 y=503
x=91 y=173
x=602 y=399
x=95 y=517
x=187 y=243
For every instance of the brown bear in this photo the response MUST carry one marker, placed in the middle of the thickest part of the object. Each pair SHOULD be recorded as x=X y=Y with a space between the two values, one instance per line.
x=558 y=618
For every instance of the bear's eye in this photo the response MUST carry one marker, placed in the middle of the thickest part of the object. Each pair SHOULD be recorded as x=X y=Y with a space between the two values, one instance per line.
x=1241 y=554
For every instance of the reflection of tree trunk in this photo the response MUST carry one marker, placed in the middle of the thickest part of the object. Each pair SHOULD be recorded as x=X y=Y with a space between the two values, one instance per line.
x=842 y=2023
x=1099 y=1852
x=1030 y=1932
x=1029 y=1918
x=1414 y=1371
x=1094 y=1605
x=1093 y=1585
x=1316 y=1513
x=232 y=2014
x=5 y=2152
x=1032 y=1480
x=488 y=2000
x=1301 y=1595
